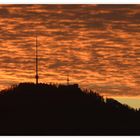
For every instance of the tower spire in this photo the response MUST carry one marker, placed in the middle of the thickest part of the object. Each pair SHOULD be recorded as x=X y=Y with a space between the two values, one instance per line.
x=68 y=79
x=36 y=76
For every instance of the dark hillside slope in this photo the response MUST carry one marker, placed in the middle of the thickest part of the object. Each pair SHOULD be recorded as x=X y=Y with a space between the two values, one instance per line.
x=29 y=109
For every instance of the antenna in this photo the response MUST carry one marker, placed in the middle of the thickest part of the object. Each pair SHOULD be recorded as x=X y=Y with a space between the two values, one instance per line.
x=36 y=76
x=68 y=80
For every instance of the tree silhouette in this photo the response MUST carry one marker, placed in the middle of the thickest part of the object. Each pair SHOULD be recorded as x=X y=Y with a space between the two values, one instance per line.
x=50 y=109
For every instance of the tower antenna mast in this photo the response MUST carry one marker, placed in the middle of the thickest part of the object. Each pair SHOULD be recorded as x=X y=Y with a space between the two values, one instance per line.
x=68 y=79
x=36 y=59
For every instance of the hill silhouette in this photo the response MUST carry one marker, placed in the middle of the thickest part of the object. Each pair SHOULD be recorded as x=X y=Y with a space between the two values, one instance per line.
x=50 y=109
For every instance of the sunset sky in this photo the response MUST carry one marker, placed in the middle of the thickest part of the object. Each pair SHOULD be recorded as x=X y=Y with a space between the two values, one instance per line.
x=99 y=45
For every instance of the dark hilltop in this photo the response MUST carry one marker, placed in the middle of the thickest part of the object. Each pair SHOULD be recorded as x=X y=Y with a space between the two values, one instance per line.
x=50 y=109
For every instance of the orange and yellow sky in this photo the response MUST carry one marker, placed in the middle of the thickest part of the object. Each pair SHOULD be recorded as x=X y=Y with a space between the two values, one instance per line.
x=99 y=45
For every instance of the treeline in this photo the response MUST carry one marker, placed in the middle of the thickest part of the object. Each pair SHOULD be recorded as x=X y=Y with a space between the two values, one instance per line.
x=50 y=109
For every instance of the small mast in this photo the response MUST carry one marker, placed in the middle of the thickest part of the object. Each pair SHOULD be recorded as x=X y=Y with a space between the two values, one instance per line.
x=68 y=80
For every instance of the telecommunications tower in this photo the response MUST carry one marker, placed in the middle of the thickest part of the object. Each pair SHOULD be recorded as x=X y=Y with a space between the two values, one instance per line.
x=36 y=60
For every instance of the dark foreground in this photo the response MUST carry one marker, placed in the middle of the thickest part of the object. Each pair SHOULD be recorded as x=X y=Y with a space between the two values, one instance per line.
x=27 y=109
